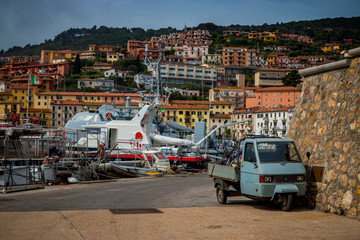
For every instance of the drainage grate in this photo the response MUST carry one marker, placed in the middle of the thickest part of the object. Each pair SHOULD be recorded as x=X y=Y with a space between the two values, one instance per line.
x=135 y=211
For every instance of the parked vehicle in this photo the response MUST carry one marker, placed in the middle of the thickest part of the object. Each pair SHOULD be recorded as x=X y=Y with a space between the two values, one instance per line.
x=264 y=169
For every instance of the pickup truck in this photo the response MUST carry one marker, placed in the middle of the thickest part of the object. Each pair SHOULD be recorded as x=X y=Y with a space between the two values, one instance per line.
x=263 y=169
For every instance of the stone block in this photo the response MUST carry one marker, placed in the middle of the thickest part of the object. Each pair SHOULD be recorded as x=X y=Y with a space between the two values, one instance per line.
x=343 y=180
x=357 y=192
x=344 y=168
x=352 y=213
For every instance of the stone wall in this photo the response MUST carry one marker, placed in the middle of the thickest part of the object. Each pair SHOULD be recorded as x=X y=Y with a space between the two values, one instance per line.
x=326 y=123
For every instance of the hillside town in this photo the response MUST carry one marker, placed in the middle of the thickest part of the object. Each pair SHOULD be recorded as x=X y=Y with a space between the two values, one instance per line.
x=180 y=120
x=240 y=82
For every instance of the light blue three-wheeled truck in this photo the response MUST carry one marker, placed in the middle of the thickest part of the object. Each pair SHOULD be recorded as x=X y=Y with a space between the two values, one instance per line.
x=263 y=169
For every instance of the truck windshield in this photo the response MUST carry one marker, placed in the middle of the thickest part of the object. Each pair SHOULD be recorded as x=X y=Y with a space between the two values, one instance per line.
x=270 y=152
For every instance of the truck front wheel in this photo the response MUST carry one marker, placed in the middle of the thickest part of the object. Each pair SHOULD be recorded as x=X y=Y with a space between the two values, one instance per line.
x=221 y=195
x=287 y=202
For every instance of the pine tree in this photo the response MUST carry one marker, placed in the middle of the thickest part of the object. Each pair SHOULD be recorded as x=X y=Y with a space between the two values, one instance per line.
x=77 y=65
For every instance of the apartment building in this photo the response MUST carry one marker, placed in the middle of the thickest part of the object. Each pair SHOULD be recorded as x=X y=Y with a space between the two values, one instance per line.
x=98 y=67
x=5 y=85
x=263 y=121
x=269 y=77
x=237 y=56
x=43 y=99
x=8 y=59
x=51 y=56
x=99 y=84
x=272 y=122
x=183 y=92
x=137 y=48
x=173 y=74
x=216 y=107
x=234 y=95
x=102 y=48
x=87 y=55
x=242 y=129
x=192 y=51
x=114 y=56
x=274 y=97
x=62 y=110
x=186 y=115
x=13 y=69
x=192 y=37
x=42 y=81
x=211 y=59
x=113 y=72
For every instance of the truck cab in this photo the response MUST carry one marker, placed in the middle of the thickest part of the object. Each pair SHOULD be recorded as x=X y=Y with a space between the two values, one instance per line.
x=265 y=169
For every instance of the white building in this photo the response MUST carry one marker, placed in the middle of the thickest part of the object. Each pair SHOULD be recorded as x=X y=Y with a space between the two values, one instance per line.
x=99 y=84
x=183 y=92
x=192 y=51
x=113 y=72
x=183 y=74
x=145 y=79
x=264 y=121
x=272 y=122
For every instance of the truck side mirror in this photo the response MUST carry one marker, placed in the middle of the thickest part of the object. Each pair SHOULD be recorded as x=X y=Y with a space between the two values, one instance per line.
x=308 y=155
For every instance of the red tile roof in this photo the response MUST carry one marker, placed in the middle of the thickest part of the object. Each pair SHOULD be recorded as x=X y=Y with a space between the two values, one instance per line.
x=193 y=102
x=220 y=116
x=276 y=89
x=281 y=109
x=94 y=94
x=187 y=107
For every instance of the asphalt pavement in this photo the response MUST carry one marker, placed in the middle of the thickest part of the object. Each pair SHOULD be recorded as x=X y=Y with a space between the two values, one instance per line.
x=173 y=207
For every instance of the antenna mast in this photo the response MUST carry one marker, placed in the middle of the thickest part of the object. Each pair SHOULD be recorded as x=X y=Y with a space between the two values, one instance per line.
x=156 y=83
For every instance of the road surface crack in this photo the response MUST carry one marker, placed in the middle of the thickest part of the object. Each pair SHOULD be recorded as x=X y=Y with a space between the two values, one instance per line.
x=72 y=225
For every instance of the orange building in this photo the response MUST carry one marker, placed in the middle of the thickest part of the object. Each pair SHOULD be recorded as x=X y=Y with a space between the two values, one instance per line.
x=50 y=56
x=273 y=97
x=237 y=56
x=102 y=48
x=136 y=49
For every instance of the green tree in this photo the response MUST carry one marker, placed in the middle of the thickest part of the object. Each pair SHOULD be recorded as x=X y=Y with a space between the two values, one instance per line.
x=292 y=78
x=77 y=65
x=233 y=82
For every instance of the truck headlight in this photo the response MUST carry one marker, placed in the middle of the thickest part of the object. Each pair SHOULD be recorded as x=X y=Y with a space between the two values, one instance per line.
x=267 y=179
x=300 y=178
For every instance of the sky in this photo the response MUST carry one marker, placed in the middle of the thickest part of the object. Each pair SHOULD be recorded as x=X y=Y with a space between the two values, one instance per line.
x=25 y=22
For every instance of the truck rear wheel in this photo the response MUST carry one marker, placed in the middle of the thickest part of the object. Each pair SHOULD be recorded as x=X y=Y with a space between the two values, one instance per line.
x=221 y=195
x=287 y=202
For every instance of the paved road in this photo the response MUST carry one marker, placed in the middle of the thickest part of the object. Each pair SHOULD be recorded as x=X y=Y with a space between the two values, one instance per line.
x=187 y=209
x=194 y=190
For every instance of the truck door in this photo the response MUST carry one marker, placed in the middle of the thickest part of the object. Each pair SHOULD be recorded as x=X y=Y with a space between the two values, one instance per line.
x=249 y=170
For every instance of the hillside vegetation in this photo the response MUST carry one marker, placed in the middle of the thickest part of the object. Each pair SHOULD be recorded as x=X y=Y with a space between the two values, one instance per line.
x=324 y=30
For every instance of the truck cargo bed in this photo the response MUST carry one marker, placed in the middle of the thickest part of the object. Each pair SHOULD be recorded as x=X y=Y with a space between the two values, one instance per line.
x=224 y=172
